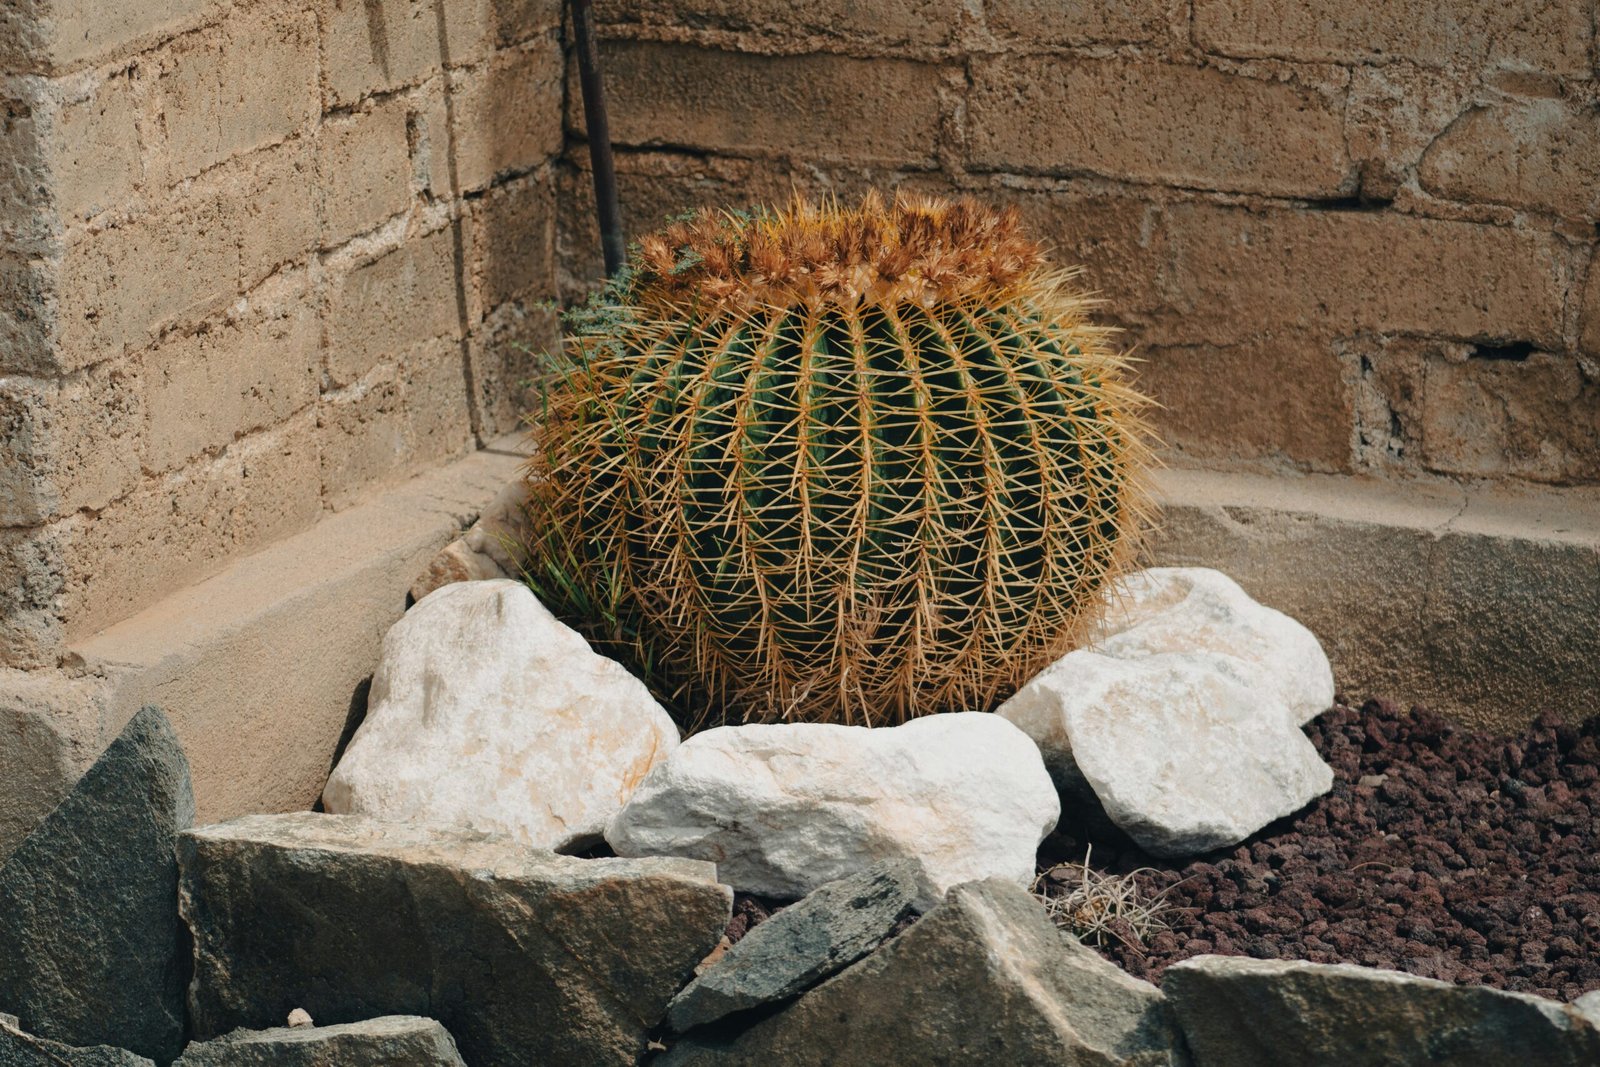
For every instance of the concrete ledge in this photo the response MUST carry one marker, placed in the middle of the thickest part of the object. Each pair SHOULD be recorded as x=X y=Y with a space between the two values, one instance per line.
x=1481 y=604
x=260 y=667
x=1484 y=606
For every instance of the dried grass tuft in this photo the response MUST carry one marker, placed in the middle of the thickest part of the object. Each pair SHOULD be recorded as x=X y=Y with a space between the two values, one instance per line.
x=1099 y=907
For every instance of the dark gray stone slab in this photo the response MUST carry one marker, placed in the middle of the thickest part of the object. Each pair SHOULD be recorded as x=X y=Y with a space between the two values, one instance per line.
x=984 y=978
x=92 y=951
x=525 y=956
x=18 y=1049
x=405 y=1040
x=1290 y=1013
x=820 y=935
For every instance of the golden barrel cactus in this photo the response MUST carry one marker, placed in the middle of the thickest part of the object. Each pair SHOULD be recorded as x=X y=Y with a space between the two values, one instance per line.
x=836 y=464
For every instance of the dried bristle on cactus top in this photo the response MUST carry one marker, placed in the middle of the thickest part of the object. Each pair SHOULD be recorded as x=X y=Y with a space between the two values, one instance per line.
x=837 y=464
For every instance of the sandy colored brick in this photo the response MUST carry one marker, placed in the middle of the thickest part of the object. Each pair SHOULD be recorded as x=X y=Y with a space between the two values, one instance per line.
x=1278 y=398
x=918 y=22
x=509 y=351
x=1536 y=417
x=1078 y=22
x=1588 y=315
x=1158 y=122
x=811 y=106
x=371 y=46
x=363 y=169
x=270 y=199
x=1230 y=273
x=398 y=419
x=361 y=435
x=244 y=373
x=379 y=308
x=1475 y=411
x=507 y=114
x=437 y=420
x=515 y=21
x=32 y=577
x=29 y=314
x=68 y=443
x=1385 y=375
x=1542 y=155
x=1117 y=241
x=68 y=150
x=177 y=529
x=248 y=82
x=28 y=221
x=124 y=284
x=95 y=144
x=1396 y=111
x=1551 y=35
x=512 y=238
x=50 y=36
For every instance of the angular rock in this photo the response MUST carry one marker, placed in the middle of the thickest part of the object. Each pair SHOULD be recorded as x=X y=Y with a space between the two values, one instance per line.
x=1289 y=1013
x=488 y=713
x=523 y=955
x=455 y=562
x=783 y=809
x=92 y=951
x=1178 y=749
x=18 y=1049
x=983 y=978
x=1196 y=609
x=803 y=944
x=393 y=1039
x=491 y=547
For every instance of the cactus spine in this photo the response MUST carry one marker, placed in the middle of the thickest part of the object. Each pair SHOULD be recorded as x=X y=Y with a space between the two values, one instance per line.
x=837 y=464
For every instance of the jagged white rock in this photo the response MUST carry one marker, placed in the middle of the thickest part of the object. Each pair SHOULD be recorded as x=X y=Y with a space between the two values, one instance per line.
x=1180 y=718
x=1180 y=752
x=785 y=808
x=1197 y=609
x=488 y=713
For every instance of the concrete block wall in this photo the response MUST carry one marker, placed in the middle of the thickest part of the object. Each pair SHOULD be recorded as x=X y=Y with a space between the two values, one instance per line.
x=1345 y=238
x=257 y=257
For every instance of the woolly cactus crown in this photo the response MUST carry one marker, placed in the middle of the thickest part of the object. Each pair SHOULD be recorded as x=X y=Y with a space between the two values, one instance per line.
x=836 y=464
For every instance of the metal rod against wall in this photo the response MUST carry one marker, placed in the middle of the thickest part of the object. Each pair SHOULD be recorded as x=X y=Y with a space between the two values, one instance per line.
x=599 y=133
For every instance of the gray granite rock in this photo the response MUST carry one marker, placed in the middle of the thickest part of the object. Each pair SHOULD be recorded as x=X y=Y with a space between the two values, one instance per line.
x=92 y=951
x=18 y=1049
x=1289 y=1013
x=407 y=1040
x=803 y=944
x=984 y=978
x=525 y=956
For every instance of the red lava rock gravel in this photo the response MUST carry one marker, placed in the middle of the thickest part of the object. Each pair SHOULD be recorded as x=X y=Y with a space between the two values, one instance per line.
x=1440 y=853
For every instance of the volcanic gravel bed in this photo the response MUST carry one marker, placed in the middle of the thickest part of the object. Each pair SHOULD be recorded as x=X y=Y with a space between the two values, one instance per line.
x=1437 y=852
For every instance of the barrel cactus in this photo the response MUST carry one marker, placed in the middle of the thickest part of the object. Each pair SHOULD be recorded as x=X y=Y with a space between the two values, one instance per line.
x=838 y=464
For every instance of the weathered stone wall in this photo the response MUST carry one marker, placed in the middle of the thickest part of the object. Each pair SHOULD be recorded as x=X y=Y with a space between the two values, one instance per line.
x=255 y=258
x=1352 y=238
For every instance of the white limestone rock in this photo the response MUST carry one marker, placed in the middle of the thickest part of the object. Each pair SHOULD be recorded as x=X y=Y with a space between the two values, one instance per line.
x=486 y=712
x=785 y=808
x=1197 y=609
x=1180 y=749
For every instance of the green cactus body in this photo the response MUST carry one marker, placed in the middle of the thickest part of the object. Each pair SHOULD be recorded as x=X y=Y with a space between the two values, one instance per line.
x=852 y=504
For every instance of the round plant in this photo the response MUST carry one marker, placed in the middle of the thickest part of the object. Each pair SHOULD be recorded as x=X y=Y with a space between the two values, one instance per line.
x=836 y=464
